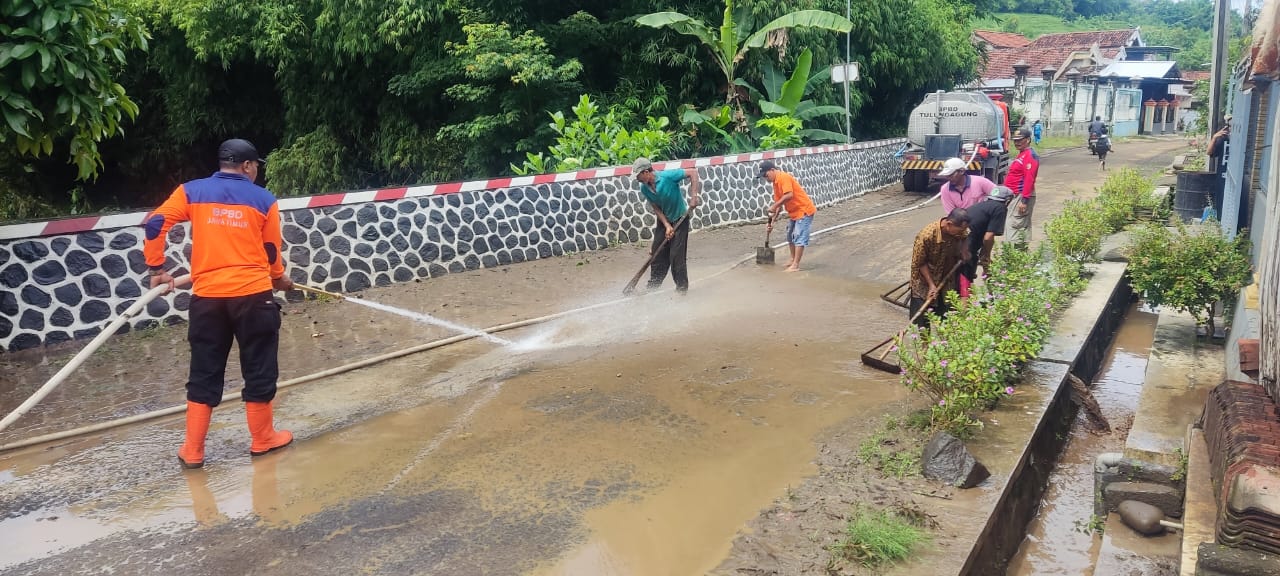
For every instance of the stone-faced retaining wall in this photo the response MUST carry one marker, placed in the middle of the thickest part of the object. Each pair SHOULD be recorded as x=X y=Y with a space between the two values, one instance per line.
x=65 y=279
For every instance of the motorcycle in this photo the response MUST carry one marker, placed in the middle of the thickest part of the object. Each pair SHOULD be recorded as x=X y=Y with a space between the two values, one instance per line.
x=1093 y=142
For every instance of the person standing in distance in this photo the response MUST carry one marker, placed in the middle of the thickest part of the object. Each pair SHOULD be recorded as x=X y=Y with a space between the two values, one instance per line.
x=671 y=234
x=787 y=193
x=1022 y=181
x=236 y=263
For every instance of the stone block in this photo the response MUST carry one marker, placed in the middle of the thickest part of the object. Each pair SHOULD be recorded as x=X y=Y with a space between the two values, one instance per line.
x=948 y=460
x=1217 y=560
x=1167 y=499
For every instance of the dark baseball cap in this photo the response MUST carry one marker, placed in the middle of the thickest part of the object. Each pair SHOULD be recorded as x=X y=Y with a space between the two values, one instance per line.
x=766 y=166
x=1022 y=134
x=237 y=150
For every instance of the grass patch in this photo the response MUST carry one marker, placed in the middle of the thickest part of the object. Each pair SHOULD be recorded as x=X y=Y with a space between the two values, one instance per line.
x=1035 y=25
x=1181 y=473
x=1060 y=142
x=891 y=450
x=877 y=537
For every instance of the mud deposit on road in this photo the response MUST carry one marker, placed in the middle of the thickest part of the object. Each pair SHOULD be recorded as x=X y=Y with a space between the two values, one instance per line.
x=633 y=441
x=640 y=438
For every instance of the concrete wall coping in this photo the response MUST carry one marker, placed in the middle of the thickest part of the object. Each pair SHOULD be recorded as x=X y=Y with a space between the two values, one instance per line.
x=112 y=221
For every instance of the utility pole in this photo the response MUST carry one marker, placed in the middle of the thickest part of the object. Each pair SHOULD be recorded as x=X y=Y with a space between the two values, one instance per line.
x=848 y=116
x=1219 y=69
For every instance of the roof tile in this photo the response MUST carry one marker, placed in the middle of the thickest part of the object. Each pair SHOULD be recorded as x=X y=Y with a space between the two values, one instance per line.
x=1002 y=39
x=1104 y=39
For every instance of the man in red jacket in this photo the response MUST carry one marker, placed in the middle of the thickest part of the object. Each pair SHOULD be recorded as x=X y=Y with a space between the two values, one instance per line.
x=236 y=262
x=1022 y=181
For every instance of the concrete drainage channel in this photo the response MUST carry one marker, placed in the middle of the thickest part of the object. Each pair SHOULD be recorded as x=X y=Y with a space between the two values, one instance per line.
x=1058 y=496
x=1078 y=346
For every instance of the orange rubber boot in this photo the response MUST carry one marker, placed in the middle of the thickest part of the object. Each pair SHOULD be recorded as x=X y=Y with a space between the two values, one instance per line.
x=265 y=436
x=191 y=455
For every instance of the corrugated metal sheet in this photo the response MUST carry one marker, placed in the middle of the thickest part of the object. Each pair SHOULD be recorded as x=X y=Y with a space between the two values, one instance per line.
x=1144 y=69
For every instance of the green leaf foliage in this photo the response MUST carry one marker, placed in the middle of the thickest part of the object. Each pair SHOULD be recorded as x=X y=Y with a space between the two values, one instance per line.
x=728 y=49
x=1189 y=268
x=413 y=91
x=591 y=138
x=59 y=60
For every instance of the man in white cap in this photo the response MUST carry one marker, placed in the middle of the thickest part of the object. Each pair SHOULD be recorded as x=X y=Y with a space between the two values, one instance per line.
x=671 y=235
x=962 y=189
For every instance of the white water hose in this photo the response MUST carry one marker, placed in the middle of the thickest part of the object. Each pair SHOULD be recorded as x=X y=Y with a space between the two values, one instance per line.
x=133 y=310
x=92 y=347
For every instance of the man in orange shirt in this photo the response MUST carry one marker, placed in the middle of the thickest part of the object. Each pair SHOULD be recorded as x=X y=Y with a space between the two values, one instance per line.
x=788 y=193
x=236 y=262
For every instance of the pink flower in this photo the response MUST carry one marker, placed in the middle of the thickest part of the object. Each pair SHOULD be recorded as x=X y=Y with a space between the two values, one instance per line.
x=942 y=402
x=993 y=370
x=943 y=363
x=1008 y=390
x=1048 y=306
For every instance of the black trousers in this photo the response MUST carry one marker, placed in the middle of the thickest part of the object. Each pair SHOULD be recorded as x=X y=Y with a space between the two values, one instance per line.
x=939 y=307
x=253 y=321
x=673 y=256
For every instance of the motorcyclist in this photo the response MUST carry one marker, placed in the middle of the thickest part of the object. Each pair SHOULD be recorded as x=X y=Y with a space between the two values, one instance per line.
x=1097 y=127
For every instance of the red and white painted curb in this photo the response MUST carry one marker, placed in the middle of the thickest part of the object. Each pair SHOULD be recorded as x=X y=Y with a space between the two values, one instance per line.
x=112 y=221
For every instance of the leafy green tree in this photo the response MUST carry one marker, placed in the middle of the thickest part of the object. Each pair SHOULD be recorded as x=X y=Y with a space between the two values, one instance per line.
x=592 y=138
x=1195 y=47
x=907 y=48
x=58 y=61
x=736 y=37
x=511 y=78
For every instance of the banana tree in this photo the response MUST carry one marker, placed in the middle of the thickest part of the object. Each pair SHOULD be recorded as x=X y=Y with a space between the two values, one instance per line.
x=785 y=96
x=708 y=128
x=736 y=38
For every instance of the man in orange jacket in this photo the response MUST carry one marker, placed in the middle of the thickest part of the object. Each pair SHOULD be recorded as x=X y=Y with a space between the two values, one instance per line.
x=236 y=262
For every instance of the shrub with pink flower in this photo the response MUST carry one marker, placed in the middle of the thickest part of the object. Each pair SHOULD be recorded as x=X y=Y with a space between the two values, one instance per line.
x=966 y=362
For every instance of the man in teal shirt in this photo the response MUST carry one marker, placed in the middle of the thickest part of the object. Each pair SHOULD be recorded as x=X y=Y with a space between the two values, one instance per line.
x=671 y=235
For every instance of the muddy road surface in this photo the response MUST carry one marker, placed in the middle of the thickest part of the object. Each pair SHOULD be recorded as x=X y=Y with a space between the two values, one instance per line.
x=651 y=436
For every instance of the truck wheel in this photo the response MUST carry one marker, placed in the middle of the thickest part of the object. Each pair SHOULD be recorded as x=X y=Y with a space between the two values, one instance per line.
x=908 y=180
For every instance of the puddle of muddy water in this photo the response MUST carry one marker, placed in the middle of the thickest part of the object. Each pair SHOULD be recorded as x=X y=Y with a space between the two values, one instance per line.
x=660 y=427
x=1057 y=543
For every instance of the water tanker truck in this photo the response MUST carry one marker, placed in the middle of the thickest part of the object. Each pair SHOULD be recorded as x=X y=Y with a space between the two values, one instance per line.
x=966 y=125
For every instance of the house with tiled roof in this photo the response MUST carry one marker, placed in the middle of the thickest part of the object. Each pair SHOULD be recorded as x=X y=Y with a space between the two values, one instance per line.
x=1103 y=73
x=1087 y=52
